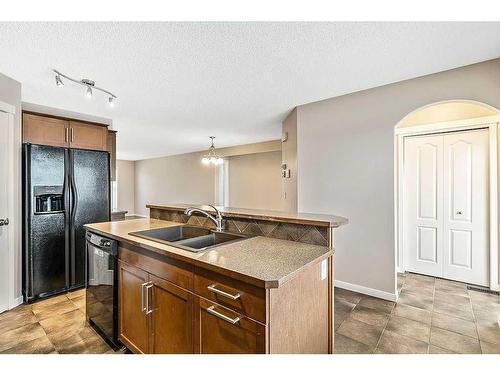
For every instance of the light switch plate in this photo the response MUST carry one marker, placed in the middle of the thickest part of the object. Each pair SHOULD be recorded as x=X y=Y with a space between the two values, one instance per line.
x=324 y=269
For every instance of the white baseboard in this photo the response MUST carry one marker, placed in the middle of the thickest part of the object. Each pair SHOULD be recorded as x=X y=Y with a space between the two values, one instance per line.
x=368 y=291
x=16 y=302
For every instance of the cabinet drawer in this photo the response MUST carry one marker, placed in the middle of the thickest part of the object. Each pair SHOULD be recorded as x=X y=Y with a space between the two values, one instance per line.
x=244 y=298
x=222 y=331
x=168 y=269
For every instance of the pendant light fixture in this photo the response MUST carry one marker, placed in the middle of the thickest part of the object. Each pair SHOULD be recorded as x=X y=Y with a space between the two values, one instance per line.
x=211 y=157
x=88 y=84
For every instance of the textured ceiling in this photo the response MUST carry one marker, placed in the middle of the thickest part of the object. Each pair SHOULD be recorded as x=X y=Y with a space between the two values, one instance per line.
x=179 y=83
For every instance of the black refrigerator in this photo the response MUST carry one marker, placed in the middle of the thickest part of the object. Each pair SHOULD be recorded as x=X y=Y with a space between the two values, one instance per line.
x=63 y=189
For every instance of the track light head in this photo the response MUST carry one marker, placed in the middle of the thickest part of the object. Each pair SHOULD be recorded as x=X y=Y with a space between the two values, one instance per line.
x=88 y=94
x=111 y=101
x=59 y=81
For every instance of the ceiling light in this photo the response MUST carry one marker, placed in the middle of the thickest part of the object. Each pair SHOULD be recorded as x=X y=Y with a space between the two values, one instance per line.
x=88 y=83
x=211 y=157
x=59 y=81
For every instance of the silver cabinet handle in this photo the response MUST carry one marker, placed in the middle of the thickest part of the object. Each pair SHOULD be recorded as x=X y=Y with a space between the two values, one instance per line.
x=212 y=288
x=143 y=305
x=4 y=222
x=149 y=310
x=72 y=135
x=211 y=310
x=66 y=131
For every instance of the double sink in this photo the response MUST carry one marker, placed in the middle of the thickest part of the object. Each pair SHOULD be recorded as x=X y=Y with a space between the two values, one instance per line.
x=188 y=237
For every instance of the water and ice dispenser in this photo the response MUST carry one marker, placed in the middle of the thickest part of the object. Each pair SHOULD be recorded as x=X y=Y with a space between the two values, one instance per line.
x=48 y=199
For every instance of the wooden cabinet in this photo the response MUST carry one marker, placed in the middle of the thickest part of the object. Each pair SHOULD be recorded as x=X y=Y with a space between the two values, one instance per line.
x=88 y=136
x=133 y=321
x=61 y=132
x=45 y=130
x=222 y=331
x=168 y=306
x=155 y=316
x=112 y=153
x=171 y=318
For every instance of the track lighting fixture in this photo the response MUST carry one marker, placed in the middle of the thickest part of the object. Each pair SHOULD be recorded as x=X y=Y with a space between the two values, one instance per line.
x=88 y=84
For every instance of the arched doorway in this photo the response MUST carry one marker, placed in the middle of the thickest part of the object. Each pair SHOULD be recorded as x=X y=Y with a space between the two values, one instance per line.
x=426 y=246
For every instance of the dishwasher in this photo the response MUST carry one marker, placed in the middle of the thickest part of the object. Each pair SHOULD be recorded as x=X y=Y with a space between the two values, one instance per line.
x=101 y=286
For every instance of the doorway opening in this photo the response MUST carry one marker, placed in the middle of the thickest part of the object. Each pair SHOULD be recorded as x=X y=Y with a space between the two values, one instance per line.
x=446 y=195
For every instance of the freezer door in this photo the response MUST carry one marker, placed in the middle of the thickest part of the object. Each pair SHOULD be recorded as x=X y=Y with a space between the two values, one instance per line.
x=45 y=242
x=90 y=204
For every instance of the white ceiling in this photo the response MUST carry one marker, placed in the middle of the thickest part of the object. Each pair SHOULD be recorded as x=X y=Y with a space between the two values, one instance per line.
x=179 y=83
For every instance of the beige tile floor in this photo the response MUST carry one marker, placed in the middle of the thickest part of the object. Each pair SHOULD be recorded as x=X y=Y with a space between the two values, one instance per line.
x=54 y=325
x=432 y=316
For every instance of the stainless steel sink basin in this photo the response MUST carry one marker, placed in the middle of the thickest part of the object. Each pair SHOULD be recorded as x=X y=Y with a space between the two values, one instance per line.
x=188 y=237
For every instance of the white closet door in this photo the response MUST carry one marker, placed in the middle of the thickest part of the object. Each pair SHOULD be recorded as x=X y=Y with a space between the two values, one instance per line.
x=423 y=211
x=466 y=211
x=4 y=210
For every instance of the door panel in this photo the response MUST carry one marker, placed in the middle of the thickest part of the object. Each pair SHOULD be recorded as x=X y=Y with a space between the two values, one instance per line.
x=45 y=243
x=423 y=212
x=133 y=325
x=91 y=189
x=5 y=127
x=466 y=219
x=171 y=319
x=446 y=225
x=45 y=130
x=88 y=136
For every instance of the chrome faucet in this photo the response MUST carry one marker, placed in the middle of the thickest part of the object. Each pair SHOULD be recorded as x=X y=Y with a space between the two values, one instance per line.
x=217 y=219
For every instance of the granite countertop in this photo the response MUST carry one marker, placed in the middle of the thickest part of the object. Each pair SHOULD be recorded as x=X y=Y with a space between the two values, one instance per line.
x=331 y=221
x=264 y=262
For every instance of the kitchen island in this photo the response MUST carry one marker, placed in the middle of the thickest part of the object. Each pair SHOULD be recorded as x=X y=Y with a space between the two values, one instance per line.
x=256 y=295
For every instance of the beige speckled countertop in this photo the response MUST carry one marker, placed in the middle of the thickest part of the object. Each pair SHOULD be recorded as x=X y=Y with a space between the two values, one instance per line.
x=262 y=261
x=331 y=221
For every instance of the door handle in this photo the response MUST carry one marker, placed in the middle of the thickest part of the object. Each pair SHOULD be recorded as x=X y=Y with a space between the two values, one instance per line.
x=4 y=222
x=149 y=287
x=459 y=212
x=234 y=297
x=211 y=310
x=143 y=305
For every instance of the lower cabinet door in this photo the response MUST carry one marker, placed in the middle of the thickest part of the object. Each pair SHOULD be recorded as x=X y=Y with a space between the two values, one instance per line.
x=133 y=322
x=222 y=331
x=171 y=318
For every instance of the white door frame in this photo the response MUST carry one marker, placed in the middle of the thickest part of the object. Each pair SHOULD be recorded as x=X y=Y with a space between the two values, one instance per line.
x=490 y=123
x=12 y=211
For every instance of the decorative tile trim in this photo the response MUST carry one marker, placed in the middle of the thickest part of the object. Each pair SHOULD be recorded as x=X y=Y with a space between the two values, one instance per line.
x=251 y=227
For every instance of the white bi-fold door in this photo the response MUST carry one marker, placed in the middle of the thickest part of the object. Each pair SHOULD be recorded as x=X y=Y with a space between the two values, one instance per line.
x=446 y=226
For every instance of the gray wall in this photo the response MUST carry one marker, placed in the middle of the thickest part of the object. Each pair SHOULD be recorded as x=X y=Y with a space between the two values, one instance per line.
x=346 y=157
x=255 y=181
x=125 y=185
x=10 y=93
x=173 y=179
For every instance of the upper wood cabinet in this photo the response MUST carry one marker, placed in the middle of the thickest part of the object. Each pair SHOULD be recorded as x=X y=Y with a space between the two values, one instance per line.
x=61 y=132
x=88 y=136
x=45 y=130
